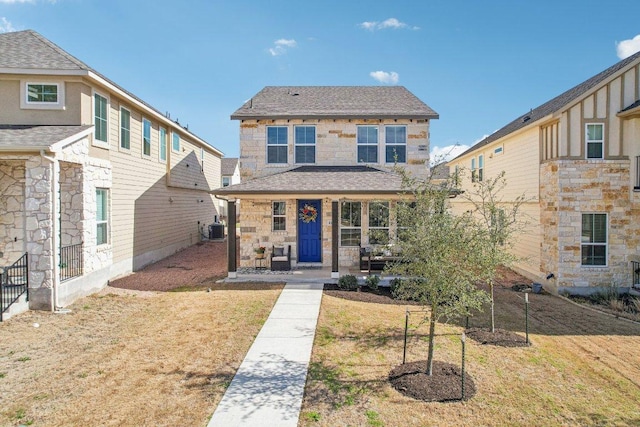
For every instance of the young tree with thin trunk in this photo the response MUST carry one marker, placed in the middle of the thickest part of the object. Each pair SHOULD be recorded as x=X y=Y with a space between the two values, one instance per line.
x=441 y=255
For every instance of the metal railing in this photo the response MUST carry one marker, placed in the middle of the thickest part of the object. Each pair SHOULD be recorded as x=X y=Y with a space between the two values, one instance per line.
x=14 y=281
x=635 y=271
x=70 y=262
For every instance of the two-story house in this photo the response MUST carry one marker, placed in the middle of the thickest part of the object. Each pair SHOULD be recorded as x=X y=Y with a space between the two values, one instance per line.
x=316 y=165
x=94 y=182
x=577 y=160
x=230 y=176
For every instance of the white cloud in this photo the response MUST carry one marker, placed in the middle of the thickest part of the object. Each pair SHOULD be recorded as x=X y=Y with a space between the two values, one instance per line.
x=385 y=77
x=5 y=26
x=444 y=154
x=626 y=48
x=392 y=23
x=280 y=46
x=16 y=1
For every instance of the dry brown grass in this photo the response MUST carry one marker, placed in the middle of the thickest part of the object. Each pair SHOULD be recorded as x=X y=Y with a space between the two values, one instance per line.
x=583 y=368
x=128 y=357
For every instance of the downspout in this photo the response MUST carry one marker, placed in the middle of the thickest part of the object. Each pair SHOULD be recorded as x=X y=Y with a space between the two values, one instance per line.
x=55 y=223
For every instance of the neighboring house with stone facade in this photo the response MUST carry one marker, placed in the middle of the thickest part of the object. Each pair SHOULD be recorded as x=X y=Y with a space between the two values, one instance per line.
x=577 y=159
x=94 y=182
x=316 y=168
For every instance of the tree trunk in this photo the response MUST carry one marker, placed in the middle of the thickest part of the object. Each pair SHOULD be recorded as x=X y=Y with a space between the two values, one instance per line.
x=432 y=338
x=493 y=315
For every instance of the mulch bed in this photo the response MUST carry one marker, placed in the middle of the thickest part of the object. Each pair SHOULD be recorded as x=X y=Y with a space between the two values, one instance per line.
x=444 y=385
x=382 y=295
x=500 y=337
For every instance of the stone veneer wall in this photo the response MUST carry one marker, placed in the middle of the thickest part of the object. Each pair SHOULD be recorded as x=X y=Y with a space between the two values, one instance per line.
x=11 y=211
x=570 y=188
x=71 y=203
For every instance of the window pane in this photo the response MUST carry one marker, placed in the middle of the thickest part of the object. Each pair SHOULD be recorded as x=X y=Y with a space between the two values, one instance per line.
x=379 y=214
x=305 y=154
x=125 y=122
x=277 y=154
x=277 y=135
x=395 y=135
x=146 y=137
x=279 y=208
x=396 y=153
x=368 y=154
x=594 y=150
x=350 y=214
x=599 y=228
x=350 y=237
x=305 y=134
x=367 y=135
x=176 y=142
x=163 y=144
x=101 y=234
x=594 y=132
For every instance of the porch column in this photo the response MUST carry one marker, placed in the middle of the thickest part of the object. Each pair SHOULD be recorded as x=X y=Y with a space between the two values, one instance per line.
x=231 y=239
x=335 y=237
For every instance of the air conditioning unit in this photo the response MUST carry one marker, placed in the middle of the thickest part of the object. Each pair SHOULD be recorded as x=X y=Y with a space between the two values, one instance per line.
x=216 y=231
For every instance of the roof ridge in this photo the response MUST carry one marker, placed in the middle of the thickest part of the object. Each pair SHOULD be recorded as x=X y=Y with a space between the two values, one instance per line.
x=59 y=50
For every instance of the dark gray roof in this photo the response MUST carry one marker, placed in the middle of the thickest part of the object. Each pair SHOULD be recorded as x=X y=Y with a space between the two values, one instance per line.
x=555 y=104
x=334 y=102
x=320 y=180
x=29 y=50
x=632 y=106
x=229 y=165
x=440 y=171
x=26 y=138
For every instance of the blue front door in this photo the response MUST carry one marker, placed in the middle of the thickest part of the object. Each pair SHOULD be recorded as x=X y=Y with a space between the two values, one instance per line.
x=309 y=231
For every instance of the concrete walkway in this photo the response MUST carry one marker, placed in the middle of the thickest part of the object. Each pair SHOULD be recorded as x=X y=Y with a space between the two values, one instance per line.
x=268 y=387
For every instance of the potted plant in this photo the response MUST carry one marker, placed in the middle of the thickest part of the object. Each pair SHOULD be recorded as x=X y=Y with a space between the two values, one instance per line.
x=260 y=252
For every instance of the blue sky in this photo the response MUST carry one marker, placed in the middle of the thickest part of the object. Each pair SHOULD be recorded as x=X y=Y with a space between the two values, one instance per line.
x=479 y=64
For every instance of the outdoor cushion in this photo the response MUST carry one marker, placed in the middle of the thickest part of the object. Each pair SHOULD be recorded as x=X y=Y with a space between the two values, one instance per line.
x=278 y=251
x=279 y=258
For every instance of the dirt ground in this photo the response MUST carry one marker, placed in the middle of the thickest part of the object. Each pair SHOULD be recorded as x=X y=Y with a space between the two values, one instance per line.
x=134 y=357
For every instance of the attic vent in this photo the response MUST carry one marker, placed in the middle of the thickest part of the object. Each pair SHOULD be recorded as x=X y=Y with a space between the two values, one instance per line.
x=525 y=119
x=295 y=94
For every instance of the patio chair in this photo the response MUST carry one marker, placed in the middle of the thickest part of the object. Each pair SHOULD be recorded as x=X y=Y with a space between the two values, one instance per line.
x=281 y=258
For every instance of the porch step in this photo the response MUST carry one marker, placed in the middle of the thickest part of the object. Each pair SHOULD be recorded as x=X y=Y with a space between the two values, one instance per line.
x=18 y=307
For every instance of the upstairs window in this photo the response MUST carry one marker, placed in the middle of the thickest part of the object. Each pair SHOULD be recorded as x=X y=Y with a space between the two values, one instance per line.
x=595 y=140
x=162 y=145
x=350 y=223
x=474 y=171
x=100 y=119
x=279 y=216
x=226 y=181
x=305 y=144
x=175 y=144
x=39 y=93
x=594 y=239
x=480 y=167
x=125 y=128
x=146 y=137
x=277 y=148
x=396 y=144
x=367 y=144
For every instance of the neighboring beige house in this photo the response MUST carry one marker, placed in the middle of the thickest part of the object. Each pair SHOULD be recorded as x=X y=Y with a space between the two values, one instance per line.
x=316 y=167
x=577 y=158
x=230 y=176
x=94 y=182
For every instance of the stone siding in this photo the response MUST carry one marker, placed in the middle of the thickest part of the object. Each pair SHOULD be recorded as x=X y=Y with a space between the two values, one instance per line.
x=336 y=144
x=570 y=188
x=12 y=176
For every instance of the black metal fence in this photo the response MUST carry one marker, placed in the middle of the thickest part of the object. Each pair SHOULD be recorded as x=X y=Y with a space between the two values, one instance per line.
x=635 y=267
x=14 y=281
x=70 y=262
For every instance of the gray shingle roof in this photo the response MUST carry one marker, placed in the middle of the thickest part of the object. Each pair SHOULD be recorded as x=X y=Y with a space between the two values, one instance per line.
x=29 y=50
x=554 y=104
x=320 y=180
x=334 y=102
x=27 y=138
x=229 y=165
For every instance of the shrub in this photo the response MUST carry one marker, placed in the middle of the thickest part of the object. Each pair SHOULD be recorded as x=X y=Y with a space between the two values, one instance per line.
x=395 y=288
x=348 y=282
x=372 y=282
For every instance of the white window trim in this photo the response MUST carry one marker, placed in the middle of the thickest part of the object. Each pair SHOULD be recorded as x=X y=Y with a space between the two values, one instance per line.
x=480 y=167
x=314 y=145
x=120 y=147
x=606 y=244
x=377 y=144
x=97 y=142
x=267 y=145
x=107 y=221
x=202 y=159
x=160 y=159
x=385 y=144
x=497 y=151
x=173 y=135
x=474 y=177
x=146 y=156
x=273 y=215
x=587 y=141
x=25 y=104
x=349 y=228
